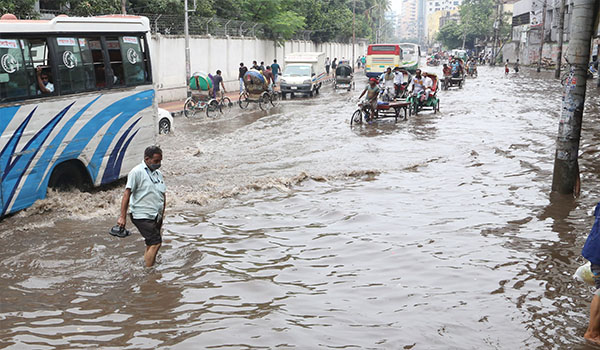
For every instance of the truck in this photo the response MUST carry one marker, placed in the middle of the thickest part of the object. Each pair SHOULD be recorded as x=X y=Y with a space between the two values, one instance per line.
x=304 y=73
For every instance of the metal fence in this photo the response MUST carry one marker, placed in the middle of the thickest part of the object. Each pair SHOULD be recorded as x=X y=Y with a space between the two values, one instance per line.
x=173 y=24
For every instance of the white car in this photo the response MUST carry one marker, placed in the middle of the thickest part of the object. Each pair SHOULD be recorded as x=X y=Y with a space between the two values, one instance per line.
x=165 y=121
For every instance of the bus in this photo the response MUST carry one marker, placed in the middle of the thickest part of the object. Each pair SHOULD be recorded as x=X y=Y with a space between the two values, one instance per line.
x=412 y=53
x=380 y=57
x=77 y=105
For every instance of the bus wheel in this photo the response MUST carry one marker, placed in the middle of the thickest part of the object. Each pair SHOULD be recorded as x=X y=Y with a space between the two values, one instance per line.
x=68 y=175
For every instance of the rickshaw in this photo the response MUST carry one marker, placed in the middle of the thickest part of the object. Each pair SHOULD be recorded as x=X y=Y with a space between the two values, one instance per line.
x=394 y=109
x=432 y=102
x=343 y=77
x=457 y=79
x=201 y=85
x=256 y=90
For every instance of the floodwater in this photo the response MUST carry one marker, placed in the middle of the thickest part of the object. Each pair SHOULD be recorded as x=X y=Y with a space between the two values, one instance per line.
x=291 y=229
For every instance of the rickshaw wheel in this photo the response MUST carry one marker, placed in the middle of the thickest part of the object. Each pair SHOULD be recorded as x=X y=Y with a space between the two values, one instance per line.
x=356 y=117
x=264 y=102
x=212 y=109
x=275 y=99
x=243 y=101
x=189 y=108
x=226 y=105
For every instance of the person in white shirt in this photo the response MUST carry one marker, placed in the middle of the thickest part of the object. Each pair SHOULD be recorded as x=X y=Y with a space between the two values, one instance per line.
x=428 y=85
x=387 y=78
x=417 y=83
x=43 y=80
x=398 y=80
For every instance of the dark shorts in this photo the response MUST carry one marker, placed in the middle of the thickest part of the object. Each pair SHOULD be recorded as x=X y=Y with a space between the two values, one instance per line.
x=596 y=272
x=150 y=230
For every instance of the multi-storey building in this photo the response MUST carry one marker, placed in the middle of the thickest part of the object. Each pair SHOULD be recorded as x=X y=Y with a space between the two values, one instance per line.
x=408 y=20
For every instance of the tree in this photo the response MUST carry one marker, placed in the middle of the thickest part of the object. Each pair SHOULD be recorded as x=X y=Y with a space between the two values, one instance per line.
x=20 y=8
x=451 y=35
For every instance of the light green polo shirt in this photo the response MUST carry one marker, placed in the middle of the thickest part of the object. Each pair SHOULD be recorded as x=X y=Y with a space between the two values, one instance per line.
x=147 y=192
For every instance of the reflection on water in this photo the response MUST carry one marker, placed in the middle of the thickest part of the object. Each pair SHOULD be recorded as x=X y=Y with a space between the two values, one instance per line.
x=291 y=229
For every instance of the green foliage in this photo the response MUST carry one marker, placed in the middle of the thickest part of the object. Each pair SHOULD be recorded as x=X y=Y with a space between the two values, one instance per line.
x=451 y=35
x=94 y=7
x=327 y=20
x=477 y=19
x=20 y=8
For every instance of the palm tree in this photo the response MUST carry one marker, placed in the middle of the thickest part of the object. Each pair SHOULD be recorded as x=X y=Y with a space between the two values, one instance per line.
x=377 y=14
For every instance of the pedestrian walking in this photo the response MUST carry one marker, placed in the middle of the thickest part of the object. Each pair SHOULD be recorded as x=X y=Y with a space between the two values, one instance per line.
x=591 y=251
x=327 y=65
x=262 y=66
x=506 y=70
x=145 y=199
x=242 y=70
x=268 y=74
x=275 y=69
x=333 y=66
x=517 y=66
x=217 y=80
x=255 y=65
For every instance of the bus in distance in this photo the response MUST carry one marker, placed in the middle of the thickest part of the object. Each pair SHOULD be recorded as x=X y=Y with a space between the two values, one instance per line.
x=412 y=53
x=77 y=105
x=380 y=57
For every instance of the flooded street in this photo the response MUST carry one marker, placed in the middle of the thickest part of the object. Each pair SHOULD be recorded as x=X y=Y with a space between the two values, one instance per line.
x=291 y=229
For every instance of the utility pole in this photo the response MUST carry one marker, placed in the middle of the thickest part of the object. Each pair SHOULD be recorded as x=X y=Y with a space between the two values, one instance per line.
x=123 y=3
x=186 y=32
x=565 y=179
x=542 y=36
x=496 y=29
x=561 y=31
x=353 y=31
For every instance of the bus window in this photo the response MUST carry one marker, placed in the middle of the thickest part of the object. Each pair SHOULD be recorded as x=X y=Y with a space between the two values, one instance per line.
x=74 y=67
x=116 y=61
x=133 y=65
x=41 y=77
x=14 y=83
x=88 y=62
x=98 y=62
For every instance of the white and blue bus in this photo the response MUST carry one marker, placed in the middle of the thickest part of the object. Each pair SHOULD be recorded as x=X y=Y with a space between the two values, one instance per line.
x=77 y=103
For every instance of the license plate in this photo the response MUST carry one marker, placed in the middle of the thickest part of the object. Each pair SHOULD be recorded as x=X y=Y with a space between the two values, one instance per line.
x=294 y=87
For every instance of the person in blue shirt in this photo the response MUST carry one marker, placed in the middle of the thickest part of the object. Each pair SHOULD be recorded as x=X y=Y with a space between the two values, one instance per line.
x=455 y=68
x=275 y=70
x=591 y=251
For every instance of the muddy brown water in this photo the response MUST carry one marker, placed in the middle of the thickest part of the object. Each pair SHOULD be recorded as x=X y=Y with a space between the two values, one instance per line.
x=291 y=229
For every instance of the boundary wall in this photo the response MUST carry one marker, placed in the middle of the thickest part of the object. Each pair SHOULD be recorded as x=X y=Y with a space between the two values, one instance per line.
x=208 y=53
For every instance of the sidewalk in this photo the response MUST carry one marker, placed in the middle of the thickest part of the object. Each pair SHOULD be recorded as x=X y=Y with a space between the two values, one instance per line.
x=176 y=107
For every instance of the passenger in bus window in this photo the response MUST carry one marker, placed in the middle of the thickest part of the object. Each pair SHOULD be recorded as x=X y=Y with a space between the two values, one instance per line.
x=100 y=76
x=117 y=69
x=43 y=79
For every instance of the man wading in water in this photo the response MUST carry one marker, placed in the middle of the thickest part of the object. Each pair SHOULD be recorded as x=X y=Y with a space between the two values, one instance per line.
x=145 y=197
x=591 y=251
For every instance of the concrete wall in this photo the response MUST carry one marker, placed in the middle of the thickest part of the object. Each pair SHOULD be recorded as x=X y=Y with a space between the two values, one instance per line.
x=528 y=54
x=208 y=54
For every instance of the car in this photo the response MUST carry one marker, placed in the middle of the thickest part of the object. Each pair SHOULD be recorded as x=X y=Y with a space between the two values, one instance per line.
x=165 y=121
